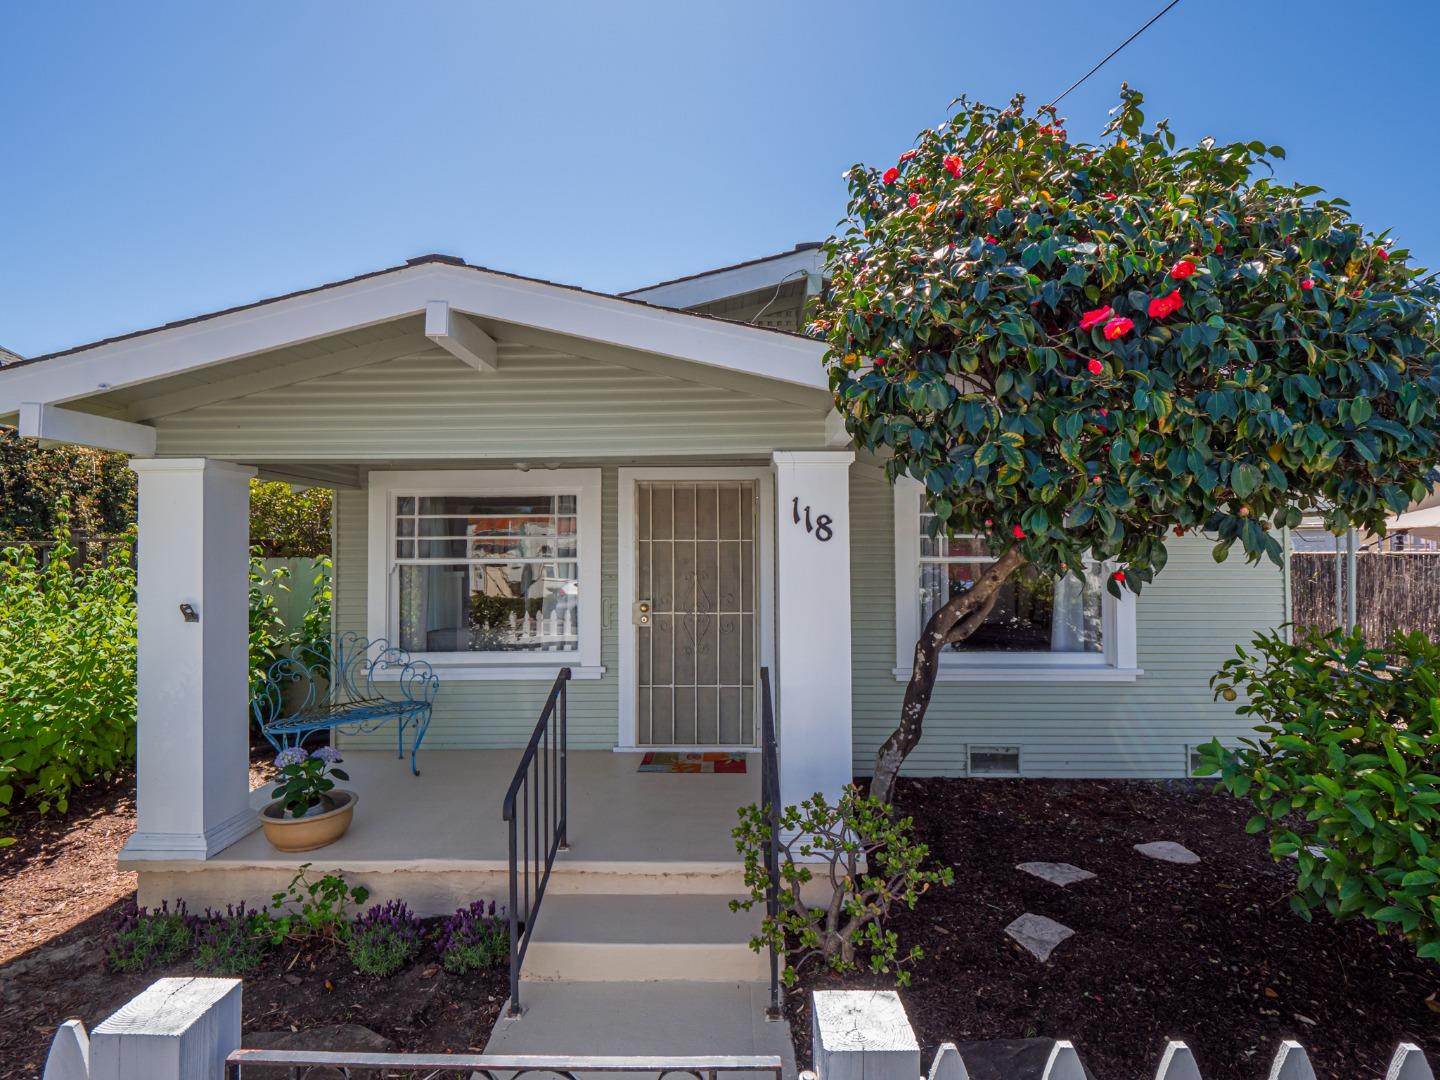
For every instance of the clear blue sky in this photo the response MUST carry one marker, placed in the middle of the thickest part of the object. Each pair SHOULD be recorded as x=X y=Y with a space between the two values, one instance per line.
x=163 y=160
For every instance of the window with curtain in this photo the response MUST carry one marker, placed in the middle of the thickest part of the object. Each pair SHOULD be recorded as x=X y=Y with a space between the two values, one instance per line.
x=1034 y=612
x=487 y=573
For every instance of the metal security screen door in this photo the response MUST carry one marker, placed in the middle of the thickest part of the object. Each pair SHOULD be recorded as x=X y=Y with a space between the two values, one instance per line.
x=696 y=578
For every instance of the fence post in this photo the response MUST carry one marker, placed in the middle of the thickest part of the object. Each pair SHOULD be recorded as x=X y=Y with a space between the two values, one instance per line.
x=1292 y=1063
x=863 y=1035
x=177 y=1029
x=1409 y=1064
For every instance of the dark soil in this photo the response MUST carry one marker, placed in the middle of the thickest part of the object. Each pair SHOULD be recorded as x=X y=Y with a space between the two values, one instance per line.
x=1211 y=954
x=60 y=894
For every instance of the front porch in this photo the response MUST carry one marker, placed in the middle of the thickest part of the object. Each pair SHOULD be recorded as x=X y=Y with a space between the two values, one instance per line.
x=437 y=840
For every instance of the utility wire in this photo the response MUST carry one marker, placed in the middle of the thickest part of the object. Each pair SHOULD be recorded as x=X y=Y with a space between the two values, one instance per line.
x=1114 y=52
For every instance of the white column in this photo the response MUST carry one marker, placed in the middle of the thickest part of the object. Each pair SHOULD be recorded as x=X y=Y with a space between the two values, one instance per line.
x=863 y=1035
x=812 y=621
x=193 y=787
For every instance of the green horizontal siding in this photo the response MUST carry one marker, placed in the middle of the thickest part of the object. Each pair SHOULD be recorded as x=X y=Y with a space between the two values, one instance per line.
x=538 y=404
x=1187 y=623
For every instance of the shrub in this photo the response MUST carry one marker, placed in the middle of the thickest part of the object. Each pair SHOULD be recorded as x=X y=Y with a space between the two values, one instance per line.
x=67 y=665
x=143 y=939
x=268 y=640
x=315 y=909
x=91 y=490
x=1342 y=773
x=384 y=939
x=475 y=937
x=872 y=863
x=285 y=523
x=233 y=942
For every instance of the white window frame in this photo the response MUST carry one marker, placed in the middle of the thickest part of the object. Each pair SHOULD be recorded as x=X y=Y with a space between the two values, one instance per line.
x=1116 y=663
x=382 y=608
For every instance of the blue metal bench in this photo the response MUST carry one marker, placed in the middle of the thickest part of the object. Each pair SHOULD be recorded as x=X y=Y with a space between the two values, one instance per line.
x=312 y=691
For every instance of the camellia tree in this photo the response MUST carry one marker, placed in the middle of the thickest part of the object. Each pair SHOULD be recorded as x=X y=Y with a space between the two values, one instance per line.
x=1083 y=350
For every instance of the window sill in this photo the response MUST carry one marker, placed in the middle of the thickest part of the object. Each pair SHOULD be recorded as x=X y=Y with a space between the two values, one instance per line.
x=467 y=672
x=1053 y=673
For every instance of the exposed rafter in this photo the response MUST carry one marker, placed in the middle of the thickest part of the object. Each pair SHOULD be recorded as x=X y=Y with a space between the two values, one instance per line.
x=51 y=424
x=461 y=337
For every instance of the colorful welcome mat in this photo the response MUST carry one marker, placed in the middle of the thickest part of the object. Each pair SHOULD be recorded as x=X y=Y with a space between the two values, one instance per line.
x=716 y=762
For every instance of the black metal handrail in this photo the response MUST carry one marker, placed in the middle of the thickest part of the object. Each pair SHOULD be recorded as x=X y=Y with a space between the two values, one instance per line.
x=539 y=830
x=770 y=799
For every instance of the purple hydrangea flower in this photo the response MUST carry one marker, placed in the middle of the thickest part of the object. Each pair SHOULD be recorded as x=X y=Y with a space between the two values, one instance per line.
x=291 y=755
x=327 y=754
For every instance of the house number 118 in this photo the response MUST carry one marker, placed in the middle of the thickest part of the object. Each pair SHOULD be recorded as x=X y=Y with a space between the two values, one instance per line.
x=822 y=526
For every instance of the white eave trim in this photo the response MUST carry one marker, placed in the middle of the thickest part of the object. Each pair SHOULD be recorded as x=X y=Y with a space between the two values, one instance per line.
x=737 y=281
x=51 y=424
x=404 y=292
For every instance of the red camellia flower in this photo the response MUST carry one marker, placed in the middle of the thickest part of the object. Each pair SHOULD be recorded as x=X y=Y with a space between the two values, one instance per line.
x=879 y=361
x=990 y=239
x=1096 y=317
x=909 y=155
x=913 y=200
x=1381 y=253
x=1119 y=575
x=1182 y=269
x=1104 y=412
x=1018 y=533
x=1307 y=284
x=1162 y=306
x=1110 y=195
x=953 y=164
x=1096 y=367
x=1118 y=328
x=891 y=175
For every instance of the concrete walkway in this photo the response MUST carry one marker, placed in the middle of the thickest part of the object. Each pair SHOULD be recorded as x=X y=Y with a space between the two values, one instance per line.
x=644 y=1019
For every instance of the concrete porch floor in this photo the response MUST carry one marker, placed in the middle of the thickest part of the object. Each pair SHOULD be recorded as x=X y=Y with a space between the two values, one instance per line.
x=438 y=839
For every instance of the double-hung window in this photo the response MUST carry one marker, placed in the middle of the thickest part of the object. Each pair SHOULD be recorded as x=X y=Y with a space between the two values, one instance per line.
x=496 y=572
x=1068 y=628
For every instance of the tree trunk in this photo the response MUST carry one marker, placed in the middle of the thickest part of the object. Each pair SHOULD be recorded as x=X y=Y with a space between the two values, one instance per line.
x=956 y=620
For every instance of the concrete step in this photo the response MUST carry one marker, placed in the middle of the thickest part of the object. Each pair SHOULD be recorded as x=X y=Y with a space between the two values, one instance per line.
x=671 y=1020
x=640 y=938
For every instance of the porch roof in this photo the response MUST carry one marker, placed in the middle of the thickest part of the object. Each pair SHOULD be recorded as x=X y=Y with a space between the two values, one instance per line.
x=105 y=393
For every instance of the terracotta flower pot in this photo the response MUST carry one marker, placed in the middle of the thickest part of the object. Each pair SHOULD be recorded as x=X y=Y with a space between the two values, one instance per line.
x=313 y=830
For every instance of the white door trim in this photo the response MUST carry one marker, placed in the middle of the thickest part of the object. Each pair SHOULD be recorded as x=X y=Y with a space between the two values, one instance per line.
x=625 y=558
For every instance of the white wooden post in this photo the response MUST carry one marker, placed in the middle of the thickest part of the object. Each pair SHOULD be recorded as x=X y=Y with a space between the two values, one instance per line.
x=812 y=622
x=1064 y=1063
x=1178 y=1063
x=948 y=1065
x=1409 y=1064
x=1292 y=1063
x=69 y=1057
x=193 y=793
x=177 y=1029
x=862 y=1035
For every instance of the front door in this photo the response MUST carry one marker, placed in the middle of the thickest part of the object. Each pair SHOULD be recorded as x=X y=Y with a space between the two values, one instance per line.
x=695 y=616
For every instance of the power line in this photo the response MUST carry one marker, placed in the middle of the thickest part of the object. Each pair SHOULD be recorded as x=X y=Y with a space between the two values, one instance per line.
x=1114 y=52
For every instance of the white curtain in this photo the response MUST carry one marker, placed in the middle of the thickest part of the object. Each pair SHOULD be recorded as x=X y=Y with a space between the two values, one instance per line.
x=1067 y=622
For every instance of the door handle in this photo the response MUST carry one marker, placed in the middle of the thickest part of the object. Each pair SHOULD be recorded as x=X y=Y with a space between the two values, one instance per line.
x=641 y=613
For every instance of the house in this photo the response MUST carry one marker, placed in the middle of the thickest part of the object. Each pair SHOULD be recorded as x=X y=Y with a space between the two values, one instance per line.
x=699 y=516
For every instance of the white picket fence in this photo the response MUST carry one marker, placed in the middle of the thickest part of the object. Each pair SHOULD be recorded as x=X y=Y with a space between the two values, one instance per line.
x=865 y=1035
x=183 y=1029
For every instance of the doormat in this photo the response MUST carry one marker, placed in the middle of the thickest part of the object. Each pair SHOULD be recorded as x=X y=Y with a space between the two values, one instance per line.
x=716 y=762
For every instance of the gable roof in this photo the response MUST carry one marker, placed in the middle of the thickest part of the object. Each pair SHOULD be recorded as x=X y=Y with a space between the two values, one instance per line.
x=395 y=292
x=734 y=280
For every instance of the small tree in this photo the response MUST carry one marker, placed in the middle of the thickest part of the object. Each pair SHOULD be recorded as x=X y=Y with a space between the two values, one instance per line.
x=1082 y=349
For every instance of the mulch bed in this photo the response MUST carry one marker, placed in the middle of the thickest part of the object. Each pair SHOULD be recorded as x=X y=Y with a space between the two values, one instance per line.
x=1210 y=954
x=59 y=897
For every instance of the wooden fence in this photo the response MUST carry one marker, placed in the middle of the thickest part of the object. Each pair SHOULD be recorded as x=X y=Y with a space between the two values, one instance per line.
x=1394 y=590
x=86 y=547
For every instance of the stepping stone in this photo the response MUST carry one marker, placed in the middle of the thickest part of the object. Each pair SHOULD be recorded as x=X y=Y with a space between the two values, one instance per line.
x=1168 y=851
x=1057 y=873
x=1038 y=935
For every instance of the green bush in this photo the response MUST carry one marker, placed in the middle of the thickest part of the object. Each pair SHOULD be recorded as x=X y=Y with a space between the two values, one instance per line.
x=67 y=671
x=1342 y=772
x=285 y=523
x=872 y=863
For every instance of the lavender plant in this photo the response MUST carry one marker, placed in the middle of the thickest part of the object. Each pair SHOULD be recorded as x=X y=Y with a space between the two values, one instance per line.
x=234 y=941
x=475 y=937
x=145 y=938
x=384 y=939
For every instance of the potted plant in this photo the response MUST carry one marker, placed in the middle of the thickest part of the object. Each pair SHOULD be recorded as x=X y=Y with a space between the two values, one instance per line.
x=308 y=811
